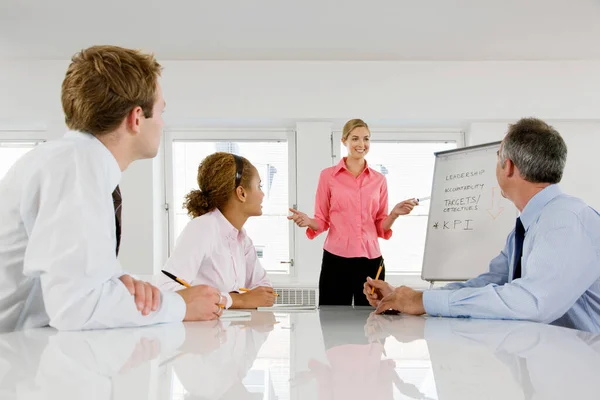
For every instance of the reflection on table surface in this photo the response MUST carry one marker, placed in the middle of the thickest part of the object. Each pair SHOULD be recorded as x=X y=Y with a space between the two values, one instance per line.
x=332 y=353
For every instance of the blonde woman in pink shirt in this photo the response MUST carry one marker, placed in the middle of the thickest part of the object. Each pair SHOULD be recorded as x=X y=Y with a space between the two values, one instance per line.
x=214 y=249
x=352 y=203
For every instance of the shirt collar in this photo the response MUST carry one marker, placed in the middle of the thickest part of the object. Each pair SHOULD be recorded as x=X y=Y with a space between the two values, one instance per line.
x=342 y=166
x=226 y=226
x=536 y=204
x=113 y=171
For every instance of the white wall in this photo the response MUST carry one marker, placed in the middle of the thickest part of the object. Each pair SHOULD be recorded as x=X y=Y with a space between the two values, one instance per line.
x=309 y=96
x=383 y=90
x=313 y=146
x=583 y=141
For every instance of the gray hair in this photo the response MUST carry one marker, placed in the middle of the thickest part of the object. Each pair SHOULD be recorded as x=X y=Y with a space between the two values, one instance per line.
x=536 y=149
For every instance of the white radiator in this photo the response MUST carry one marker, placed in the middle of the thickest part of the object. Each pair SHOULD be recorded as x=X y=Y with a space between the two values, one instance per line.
x=296 y=295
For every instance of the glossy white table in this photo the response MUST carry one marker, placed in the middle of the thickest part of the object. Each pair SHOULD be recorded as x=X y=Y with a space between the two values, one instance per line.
x=335 y=353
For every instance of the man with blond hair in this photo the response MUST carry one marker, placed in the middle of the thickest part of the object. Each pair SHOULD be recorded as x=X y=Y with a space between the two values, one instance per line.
x=61 y=207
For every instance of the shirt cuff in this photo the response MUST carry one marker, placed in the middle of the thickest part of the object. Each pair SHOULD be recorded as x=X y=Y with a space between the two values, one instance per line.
x=229 y=301
x=437 y=302
x=175 y=306
x=386 y=235
x=383 y=234
x=119 y=274
x=311 y=233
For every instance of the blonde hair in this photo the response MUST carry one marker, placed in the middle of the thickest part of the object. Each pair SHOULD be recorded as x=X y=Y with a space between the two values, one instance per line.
x=216 y=180
x=352 y=125
x=104 y=83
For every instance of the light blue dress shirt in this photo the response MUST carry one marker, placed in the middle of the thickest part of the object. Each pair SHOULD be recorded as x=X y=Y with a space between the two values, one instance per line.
x=560 y=281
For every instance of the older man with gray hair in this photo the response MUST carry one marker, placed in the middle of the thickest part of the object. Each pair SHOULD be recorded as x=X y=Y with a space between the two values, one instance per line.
x=549 y=270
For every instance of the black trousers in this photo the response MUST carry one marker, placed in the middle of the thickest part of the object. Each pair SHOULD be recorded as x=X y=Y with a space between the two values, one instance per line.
x=342 y=279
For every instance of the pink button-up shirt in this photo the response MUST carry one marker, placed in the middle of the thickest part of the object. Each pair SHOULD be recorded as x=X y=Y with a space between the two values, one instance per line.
x=210 y=251
x=353 y=209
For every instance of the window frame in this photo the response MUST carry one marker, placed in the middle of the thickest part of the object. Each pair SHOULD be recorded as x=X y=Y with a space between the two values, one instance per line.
x=23 y=135
x=15 y=135
x=234 y=135
x=397 y=135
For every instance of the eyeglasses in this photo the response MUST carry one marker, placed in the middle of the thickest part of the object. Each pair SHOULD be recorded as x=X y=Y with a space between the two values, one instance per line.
x=239 y=169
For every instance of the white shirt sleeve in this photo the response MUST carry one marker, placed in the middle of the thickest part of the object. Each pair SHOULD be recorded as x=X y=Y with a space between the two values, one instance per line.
x=186 y=258
x=193 y=246
x=69 y=217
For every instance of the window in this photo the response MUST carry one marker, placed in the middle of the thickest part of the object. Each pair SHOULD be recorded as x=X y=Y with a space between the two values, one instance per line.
x=271 y=233
x=407 y=161
x=11 y=151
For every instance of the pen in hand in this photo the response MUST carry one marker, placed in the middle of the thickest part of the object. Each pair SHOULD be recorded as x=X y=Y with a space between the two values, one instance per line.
x=181 y=281
x=176 y=279
x=378 y=273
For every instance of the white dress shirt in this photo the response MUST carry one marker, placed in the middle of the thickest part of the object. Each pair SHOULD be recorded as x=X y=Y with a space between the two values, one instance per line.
x=211 y=251
x=57 y=242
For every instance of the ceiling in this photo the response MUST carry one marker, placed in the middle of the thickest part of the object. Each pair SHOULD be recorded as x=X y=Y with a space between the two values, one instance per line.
x=424 y=30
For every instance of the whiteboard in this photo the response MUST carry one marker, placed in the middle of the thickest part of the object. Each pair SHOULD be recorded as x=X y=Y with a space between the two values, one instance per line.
x=469 y=219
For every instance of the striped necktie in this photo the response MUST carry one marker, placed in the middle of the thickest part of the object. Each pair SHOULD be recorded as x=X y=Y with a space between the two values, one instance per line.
x=117 y=202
